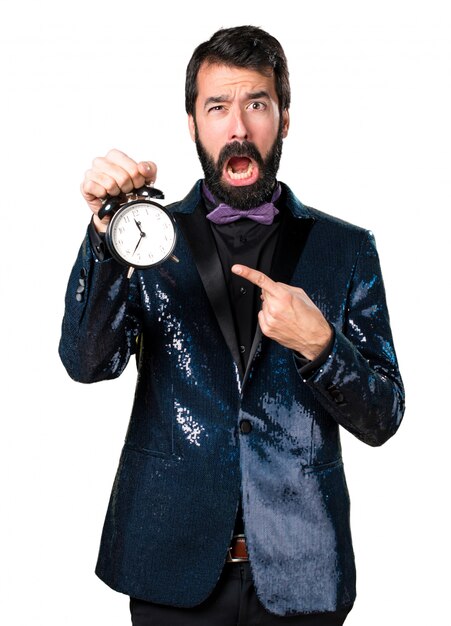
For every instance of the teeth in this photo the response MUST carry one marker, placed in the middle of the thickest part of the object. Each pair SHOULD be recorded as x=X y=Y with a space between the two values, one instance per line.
x=240 y=175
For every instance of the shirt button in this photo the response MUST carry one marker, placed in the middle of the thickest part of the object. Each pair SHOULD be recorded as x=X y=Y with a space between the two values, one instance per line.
x=243 y=239
x=242 y=349
x=245 y=427
x=243 y=291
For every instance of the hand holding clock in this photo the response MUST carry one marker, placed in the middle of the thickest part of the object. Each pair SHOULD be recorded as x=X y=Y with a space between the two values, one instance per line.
x=117 y=192
x=111 y=175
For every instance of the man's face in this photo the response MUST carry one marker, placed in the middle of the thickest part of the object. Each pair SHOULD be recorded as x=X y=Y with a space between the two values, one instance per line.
x=238 y=130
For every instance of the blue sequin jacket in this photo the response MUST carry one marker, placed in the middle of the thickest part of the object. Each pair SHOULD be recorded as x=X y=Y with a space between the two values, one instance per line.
x=185 y=460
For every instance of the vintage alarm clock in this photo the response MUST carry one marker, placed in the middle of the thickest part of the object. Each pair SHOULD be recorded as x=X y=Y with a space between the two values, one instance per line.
x=141 y=233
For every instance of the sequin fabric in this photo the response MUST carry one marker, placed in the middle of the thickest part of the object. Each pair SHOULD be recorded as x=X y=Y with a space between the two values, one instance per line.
x=187 y=457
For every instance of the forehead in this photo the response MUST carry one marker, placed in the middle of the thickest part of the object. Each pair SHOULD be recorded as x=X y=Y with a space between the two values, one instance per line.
x=214 y=79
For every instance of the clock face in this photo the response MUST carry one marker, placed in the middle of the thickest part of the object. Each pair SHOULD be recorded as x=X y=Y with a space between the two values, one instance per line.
x=141 y=234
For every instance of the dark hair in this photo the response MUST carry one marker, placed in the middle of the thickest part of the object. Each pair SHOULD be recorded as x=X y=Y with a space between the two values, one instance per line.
x=240 y=46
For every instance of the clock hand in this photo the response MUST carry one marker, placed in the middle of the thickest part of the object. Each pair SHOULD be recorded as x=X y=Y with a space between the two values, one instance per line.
x=138 y=224
x=140 y=239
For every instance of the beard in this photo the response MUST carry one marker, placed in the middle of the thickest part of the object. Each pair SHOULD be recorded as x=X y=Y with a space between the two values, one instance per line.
x=248 y=196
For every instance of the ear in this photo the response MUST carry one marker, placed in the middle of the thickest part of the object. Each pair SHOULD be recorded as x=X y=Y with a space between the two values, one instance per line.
x=192 y=127
x=285 y=122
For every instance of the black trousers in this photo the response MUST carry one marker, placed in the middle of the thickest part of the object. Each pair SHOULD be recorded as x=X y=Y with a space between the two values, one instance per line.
x=232 y=603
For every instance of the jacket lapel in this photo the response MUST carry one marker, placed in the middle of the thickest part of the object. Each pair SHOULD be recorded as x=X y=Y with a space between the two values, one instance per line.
x=292 y=238
x=197 y=233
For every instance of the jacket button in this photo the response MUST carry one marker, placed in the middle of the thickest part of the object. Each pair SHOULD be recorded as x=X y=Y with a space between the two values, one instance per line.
x=245 y=427
x=337 y=396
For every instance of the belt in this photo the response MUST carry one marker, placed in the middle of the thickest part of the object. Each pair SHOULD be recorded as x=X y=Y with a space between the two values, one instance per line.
x=237 y=553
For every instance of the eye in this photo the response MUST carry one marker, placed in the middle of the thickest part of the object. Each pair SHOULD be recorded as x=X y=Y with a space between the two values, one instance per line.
x=216 y=108
x=257 y=106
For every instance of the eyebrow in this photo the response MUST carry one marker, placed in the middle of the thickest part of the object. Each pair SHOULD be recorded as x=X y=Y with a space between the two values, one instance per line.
x=253 y=95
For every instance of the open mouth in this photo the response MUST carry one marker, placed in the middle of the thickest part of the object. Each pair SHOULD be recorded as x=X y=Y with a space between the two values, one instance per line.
x=241 y=169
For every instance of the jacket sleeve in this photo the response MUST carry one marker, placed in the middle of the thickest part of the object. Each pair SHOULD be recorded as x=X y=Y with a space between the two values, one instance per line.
x=101 y=323
x=359 y=384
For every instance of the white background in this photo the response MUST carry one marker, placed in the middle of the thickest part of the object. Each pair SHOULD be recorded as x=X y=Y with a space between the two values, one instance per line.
x=369 y=142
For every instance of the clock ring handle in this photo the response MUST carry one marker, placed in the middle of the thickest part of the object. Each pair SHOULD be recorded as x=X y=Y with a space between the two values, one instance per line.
x=146 y=191
x=111 y=203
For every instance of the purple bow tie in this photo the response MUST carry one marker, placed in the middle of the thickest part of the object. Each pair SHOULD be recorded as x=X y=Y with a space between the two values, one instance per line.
x=224 y=214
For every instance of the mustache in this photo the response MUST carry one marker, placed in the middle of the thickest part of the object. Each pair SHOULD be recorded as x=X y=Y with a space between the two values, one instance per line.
x=239 y=149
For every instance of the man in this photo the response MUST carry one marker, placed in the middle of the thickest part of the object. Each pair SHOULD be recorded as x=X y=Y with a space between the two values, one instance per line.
x=230 y=503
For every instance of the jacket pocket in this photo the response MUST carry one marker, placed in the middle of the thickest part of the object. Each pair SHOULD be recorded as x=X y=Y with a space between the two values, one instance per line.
x=153 y=453
x=322 y=467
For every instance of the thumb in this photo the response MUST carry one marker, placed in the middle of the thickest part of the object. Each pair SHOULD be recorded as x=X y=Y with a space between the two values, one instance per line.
x=149 y=170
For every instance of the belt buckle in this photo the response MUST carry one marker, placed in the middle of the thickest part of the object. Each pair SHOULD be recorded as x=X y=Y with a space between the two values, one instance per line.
x=236 y=559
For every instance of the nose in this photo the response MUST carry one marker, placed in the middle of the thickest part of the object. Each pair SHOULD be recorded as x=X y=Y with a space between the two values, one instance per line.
x=238 y=130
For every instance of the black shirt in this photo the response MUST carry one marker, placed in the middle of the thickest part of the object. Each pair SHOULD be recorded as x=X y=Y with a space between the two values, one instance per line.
x=252 y=244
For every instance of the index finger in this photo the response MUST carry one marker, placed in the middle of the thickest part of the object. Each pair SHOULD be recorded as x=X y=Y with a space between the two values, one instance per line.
x=257 y=278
